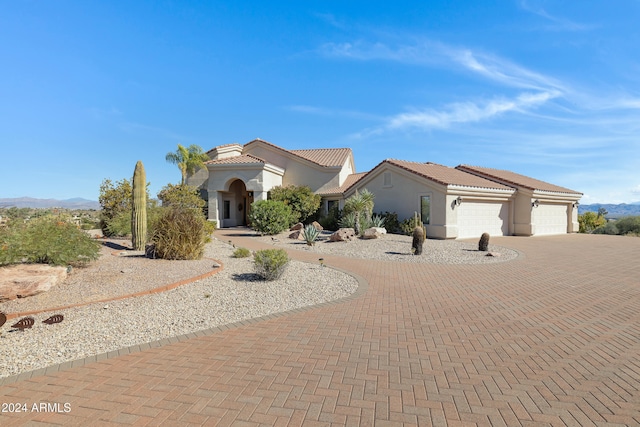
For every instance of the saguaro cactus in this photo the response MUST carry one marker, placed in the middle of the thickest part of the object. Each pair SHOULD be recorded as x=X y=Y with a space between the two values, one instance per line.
x=139 y=208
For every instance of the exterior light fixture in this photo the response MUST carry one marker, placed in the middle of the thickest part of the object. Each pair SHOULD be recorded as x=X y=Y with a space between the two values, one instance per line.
x=250 y=193
x=458 y=201
x=576 y=204
x=535 y=203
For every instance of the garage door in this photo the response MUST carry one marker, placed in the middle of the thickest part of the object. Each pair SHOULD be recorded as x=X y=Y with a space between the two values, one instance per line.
x=475 y=218
x=550 y=219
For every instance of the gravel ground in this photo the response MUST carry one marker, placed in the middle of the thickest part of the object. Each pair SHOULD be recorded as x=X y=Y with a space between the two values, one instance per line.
x=232 y=295
x=396 y=247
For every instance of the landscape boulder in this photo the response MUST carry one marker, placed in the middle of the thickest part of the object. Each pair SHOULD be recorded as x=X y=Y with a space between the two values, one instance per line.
x=298 y=226
x=297 y=235
x=343 y=235
x=24 y=280
x=317 y=226
x=374 y=233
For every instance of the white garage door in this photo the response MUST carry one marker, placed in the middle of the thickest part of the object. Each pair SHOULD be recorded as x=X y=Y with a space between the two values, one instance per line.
x=475 y=218
x=550 y=219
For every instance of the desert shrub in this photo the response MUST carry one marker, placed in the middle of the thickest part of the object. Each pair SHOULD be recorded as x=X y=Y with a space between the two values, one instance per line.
x=270 y=216
x=181 y=196
x=180 y=234
x=483 y=244
x=115 y=199
x=303 y=202
x=608 y=228
x=408 y=225
x=391 y=222
x=310 y=235
x=332 y=219
x=270 y=263
x=589 y=221
x=241 y=253
x=629 y=225
x=47 y=240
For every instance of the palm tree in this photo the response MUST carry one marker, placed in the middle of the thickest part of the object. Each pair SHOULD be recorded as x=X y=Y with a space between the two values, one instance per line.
x=359 y=203
x=187 y=159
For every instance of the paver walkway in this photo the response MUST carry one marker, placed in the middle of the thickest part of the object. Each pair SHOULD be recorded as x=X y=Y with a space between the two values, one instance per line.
x=552 y=338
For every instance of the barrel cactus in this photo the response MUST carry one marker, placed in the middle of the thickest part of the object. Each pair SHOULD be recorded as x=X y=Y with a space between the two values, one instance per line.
x=418 y=240
x=139 y=208
x=483 y=244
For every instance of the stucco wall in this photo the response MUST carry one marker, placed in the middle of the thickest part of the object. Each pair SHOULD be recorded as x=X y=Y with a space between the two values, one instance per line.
x=298 y=172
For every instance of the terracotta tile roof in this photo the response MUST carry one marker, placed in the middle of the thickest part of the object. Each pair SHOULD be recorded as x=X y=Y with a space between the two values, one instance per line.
x=351 y=180
x=515 y=179
x=445 y=175
x=326 y=157
x=243 y=159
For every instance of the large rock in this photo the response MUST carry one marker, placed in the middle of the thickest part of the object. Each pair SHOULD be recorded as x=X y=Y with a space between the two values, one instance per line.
x=24 y=280
x=374 y=232
x=297 y=235
x=298 y=226
x=317 y=226
x=343 y=235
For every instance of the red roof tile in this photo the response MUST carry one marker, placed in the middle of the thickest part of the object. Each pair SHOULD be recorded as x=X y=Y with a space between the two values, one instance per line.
x=243 y=159
x=515 y=179
x=327 y=157
x=351 y=180
x=445 y=175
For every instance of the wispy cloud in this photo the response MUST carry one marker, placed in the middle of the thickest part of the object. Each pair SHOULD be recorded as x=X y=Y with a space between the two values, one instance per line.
x=466 y=112
x=331 y=19
x=557 y=23
x=431 y=53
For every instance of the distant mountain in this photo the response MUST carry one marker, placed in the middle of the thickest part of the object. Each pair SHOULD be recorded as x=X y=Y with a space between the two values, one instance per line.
x=29 y=202
x=613 y=211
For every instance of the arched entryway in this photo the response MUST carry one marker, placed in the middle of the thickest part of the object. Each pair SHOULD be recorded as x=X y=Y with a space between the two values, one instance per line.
x=236 y=204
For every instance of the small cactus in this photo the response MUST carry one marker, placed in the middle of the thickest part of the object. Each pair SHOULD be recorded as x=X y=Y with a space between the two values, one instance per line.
x=310 y=234
x=483 y=244
x=139 y=208
x=418 y=240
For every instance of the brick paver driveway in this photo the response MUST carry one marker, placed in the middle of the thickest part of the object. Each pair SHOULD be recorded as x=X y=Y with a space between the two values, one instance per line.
x=552 y=338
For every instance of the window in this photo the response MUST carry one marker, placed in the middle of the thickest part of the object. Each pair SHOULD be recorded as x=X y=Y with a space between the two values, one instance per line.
x=386 y=179
x=331 y=204
x=226 y=213
x=425 y=209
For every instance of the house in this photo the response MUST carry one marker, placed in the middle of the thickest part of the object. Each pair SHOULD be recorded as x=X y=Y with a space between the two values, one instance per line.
x=460 y=202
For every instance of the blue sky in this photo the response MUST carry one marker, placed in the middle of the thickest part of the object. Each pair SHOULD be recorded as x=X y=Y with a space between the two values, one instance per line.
x=548 y=89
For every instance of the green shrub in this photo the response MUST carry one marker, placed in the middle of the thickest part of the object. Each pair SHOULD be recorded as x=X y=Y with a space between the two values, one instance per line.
x=270 y=216
x=270 y=263
x=180 y=234
x=391 y=222
x=48 y=240
x=608 y=228
x=629 y=225
x=303 y=202
x=310 y=235
x=408 y=225
x=241 y=253
x=182 y=196
x=332 y=219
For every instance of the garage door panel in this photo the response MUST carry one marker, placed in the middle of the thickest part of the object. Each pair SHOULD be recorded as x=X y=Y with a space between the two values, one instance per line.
x=550 y=219
x=475 y=218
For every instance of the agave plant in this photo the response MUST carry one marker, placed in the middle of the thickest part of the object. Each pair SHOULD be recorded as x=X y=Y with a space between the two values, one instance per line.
x=310 y=235
x=348 y=220
x=377 y=221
